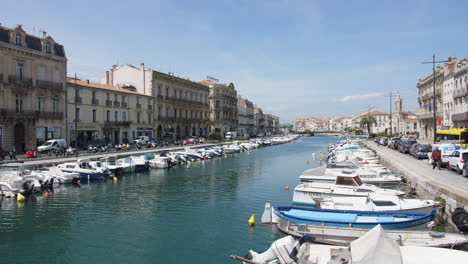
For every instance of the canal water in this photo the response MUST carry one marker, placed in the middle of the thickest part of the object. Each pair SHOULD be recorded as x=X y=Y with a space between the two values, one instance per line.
x=195 y=214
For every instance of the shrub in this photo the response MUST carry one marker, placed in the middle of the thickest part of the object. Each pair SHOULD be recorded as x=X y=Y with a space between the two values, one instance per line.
x=215 y=136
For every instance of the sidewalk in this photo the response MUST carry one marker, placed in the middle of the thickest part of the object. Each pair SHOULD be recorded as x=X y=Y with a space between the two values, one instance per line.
x=421 y=176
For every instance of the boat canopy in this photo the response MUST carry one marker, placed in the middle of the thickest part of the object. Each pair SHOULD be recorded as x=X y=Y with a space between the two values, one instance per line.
x=149 y=156
x=348 y=180
x=375 y=247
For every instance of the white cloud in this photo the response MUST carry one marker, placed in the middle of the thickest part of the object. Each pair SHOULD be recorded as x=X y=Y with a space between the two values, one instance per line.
x=359 y=97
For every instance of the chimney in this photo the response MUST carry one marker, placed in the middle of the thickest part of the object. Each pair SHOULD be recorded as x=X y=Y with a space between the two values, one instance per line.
x=111 y=77
x=107 y=77
x=87 y=81
x=142 y=66
x=114 y=67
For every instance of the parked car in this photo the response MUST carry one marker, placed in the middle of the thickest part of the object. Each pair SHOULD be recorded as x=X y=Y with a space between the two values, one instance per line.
x=404 y=145
x=383 y=141
x=395 y=143
x=420 y=151
x=391 y=142
x=457 y=160
x=52 y=145
x=141 y=140
x=465 y=170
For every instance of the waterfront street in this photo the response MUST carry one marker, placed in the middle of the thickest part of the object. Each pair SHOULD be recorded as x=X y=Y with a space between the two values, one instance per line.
x=444 y=179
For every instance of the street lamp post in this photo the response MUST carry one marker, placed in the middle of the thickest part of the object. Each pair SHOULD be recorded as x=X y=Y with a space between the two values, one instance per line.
x=76 y=121
x=434 y=106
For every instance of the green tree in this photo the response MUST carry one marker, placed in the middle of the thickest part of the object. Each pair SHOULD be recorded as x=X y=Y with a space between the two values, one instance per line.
x=367 y=122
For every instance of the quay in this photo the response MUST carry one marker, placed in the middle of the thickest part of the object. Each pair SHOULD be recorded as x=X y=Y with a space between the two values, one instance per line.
x=43 y=162
x=428 y=183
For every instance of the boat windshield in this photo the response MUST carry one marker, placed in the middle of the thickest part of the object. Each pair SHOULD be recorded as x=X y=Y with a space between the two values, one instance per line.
x=357 y=180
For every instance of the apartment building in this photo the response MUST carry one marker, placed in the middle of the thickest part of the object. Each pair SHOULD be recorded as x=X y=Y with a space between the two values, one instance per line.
x=99 y=113
x=180 y=105
x=246 y=118
x=223 y=106
x=460 y=95
x=32 y=89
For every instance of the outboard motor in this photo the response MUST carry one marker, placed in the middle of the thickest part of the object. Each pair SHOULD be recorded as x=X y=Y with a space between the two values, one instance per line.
x=28 y=187
x=460 y=219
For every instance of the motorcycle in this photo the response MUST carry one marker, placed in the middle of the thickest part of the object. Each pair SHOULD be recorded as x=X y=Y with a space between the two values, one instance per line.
x=92 y=149
x=31 y=153
x=103 y=148
x=70 y=151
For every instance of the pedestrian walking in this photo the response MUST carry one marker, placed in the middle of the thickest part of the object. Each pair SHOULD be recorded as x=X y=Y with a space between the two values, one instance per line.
x=436 y=158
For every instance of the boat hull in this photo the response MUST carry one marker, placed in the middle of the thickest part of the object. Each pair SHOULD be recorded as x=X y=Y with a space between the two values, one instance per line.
x=355 y=219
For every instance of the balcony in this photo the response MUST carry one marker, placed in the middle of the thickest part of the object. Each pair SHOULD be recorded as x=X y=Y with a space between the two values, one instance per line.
x=78 y=99
x=33 y=114
x=49 y=85
x=138 y=106
x=116 y=103
x=109 y=124
x=460 y=92
x=23 y=81
x=124 y=104
x=160 y=97
x=108 y=103
x=95 y=101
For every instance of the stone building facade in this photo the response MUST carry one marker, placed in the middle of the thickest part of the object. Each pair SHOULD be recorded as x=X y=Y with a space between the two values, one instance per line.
x=460 y=95
x=32 y=89
x=425 y=99
x=259 y=121
x=223 y=106
x=245 y=110
x=107 y=114
x=180 y=105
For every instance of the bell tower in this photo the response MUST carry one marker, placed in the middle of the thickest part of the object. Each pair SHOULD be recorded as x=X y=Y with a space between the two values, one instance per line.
x=398 y=102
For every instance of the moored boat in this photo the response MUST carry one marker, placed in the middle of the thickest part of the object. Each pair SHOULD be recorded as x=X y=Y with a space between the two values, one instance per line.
x=345 y=218
x=343 y=236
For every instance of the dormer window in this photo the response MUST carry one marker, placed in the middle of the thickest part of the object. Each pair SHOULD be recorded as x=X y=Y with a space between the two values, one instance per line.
x=47 y=47
x=18 y=39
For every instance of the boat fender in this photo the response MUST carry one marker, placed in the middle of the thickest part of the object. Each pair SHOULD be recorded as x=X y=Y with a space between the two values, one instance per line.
x=114 y=179
x=20 y=198
x=286 y=188
x=436 y=234
x=252 y=220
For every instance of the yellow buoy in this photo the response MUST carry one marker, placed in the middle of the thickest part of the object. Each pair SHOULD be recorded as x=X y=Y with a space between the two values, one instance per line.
x=114 y=179
x=252 y=220
x=193 y=160
x=20 y=198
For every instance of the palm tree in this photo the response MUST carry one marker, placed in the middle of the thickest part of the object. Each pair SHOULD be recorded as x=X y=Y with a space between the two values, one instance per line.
x=367 y=121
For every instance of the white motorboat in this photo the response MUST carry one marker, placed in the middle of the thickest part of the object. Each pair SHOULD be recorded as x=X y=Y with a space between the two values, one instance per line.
x=156 y=162
x=112 y=164
x=347 y=186
x=375 y=177
x=127 y=164
x=59 y=175
x=16 y=178
x=376 y=202
x=373 y=247
x=343 y=236
x=85 y=170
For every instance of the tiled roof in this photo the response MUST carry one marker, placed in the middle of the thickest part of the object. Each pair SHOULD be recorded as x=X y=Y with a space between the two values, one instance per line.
x=206 y=82
x=101 y=86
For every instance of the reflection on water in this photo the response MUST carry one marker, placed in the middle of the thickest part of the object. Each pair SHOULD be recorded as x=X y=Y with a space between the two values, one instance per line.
x=195 y=214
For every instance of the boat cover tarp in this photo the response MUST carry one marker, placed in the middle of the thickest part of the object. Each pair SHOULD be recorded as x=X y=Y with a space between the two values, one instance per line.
x=149 y=156
x=322 y=216
x=375 y=247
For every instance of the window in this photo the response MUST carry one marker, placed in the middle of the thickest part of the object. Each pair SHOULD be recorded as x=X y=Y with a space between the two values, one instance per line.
x=1 y=137
x=94 y=96
x=55 y=105
x=40 y=103
x=77 y=93
x=175 y=113
x=47 y=47
x=124 y=99
x=159 y=112
x=19 y=103
x=108 y=115
x=108 y=96
x=116 y=98
x=116 y=116
x=149 y=118
x=138 y=100
x=77 y=114
x=18 y=39
x=94 y=115
x=19 y=71
x=167 y=91
x=138 y=117
x=124 y=116
x=159 y=89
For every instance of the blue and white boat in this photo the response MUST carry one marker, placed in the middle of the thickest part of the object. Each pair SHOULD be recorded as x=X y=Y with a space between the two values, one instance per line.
x=345 y=218
x=84 y=169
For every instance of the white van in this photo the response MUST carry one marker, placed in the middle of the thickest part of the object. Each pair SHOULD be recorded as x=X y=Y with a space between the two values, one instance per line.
x=52 y=144
x=141 y=140
x=231 y=135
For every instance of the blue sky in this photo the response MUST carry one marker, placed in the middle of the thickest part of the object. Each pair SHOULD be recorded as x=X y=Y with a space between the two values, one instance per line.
x=292 y=58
